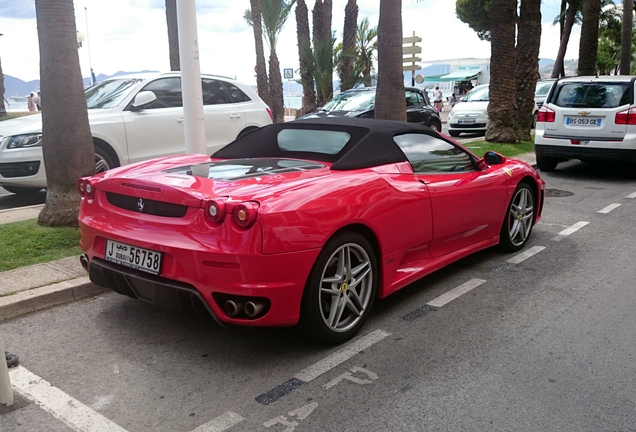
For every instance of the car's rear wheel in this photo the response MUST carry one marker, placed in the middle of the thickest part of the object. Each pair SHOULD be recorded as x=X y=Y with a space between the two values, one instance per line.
x=341 y=289
x=18 y=190
x=517 y=224
x=103 y=161
x=546 y=164
x=453 y=133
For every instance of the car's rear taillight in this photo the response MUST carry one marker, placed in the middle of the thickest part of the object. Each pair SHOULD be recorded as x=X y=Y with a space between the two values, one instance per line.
x=244 y=214
x=86 y=187
x=271 y=116
x=216 y=209
x=546 y=115
x=626 y=117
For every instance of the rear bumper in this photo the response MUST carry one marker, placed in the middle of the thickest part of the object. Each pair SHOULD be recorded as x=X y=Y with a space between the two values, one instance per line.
x=584 y=153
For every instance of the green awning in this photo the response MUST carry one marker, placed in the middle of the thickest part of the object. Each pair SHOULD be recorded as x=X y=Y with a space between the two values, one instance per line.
x=434 y=78
x=459 y=76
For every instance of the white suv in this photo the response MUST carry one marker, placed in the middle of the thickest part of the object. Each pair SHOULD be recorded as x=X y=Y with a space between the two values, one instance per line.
x=134 y=118
x=587 y=118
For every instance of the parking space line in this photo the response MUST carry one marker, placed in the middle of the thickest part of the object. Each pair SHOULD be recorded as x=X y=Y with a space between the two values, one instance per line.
x=570 y=230
x=221 y=423
x=631 y=195
x=525 y=255
x=320 y=367
x=455 y=292
x=609 y=208
x=72 y=412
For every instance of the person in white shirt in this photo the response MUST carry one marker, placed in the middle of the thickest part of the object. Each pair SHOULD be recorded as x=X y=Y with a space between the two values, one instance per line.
x=438 y=103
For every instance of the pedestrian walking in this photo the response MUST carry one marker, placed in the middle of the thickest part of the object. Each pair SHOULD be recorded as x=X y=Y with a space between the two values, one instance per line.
x=438 y=103
x=31 y=102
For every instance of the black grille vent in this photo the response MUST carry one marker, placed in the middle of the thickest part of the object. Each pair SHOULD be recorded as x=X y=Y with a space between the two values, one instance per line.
x=146 y=206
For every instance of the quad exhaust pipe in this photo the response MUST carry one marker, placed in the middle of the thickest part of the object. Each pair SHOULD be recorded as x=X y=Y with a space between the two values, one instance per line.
x=233 y=308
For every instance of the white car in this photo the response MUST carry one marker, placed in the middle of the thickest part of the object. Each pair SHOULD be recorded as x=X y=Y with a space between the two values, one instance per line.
x=587 y=118
x=471 y=113
x=134 y=118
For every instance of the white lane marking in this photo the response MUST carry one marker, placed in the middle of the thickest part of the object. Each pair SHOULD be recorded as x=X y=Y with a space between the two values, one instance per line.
x=221 y=423
x=525 y=255
x=320 y=367
x=631 y=195
x=455 y=292
x=72 y=412
x=574 y=228
x=609 y=208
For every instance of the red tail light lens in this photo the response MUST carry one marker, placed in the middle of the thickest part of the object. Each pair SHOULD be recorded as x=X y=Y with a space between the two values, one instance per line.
x=216 y=209
x=86 y=188
x=244 y=214
x=546 y=115
x=626 y=117
x=271 y=116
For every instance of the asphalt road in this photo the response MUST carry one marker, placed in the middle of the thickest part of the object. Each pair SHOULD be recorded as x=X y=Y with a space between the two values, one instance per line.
x=542 y=343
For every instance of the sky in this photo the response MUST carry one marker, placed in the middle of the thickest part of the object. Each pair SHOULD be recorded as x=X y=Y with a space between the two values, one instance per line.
x=131 y=35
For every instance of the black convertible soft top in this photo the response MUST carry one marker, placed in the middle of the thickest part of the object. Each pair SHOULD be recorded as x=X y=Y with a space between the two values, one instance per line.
x=371 y=142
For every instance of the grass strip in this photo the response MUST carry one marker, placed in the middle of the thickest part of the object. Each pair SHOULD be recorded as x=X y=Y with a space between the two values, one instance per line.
x=24 y=243
x=481 y=147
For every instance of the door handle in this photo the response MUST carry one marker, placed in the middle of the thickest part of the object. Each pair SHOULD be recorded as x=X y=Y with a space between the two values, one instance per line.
x=235 y=116
x=181 y=120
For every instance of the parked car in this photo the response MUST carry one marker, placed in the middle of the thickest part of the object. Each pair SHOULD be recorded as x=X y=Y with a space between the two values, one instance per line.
x=542 y=89
x=587 y=118
x=301 y=222
x=360 y=102
x=470 y=115
x=133 y=118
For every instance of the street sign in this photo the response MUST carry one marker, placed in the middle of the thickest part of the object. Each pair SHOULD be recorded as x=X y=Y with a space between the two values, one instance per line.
x=411 y=59
x=288 y=73
x=411 y=67
x=411 y=40
x=411 y=50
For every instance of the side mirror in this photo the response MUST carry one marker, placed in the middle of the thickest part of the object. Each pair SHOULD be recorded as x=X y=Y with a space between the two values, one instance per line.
x=143 y=99
x=494 y=158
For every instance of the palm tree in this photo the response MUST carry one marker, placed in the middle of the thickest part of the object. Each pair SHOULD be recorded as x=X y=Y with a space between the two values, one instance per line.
x=173 y=34
x=626 y=37
x=390 y=103
x=570 y=15
x=323 y=51
x=367 y=41
x=3 y=109
x=345 y=68
x=501 y=108
x=588 y=45
x=305 y=58
x=274 y=15
x=527 y=72
x=67 y=144
x=256 y=20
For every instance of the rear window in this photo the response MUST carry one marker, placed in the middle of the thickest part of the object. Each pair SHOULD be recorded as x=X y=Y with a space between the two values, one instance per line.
x=315 y=141
x=592 y=95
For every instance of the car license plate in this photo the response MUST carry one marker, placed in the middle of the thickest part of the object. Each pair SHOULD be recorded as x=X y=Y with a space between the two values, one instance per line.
x=583 y=121
x=133 y=256
x=472 y=121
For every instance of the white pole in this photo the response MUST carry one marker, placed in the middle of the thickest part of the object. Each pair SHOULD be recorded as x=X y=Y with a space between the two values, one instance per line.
x=88 y=46
x=6 y=392
x=191 y=77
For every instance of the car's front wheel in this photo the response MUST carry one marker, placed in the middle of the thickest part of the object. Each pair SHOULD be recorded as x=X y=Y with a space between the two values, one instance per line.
x=437 y=127
x=341 y=289
x=517 y=224
x=103 y=161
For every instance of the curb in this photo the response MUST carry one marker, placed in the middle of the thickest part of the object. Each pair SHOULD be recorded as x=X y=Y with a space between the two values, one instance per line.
x=48 y=296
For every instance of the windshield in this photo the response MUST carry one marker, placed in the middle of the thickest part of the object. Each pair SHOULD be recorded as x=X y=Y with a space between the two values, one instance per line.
x=351 y=101
x=543 y=88
x=478 y=94
x=108 y=94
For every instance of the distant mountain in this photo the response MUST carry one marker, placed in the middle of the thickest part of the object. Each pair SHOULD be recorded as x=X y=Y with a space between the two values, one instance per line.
x=16 y=87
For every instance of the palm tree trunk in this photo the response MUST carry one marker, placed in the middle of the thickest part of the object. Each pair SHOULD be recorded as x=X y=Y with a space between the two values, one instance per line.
x=527 y=72
x=318 y=24
x=173 y=34
x=390 y=103
x=276 y=88
x=262 y=84
x=626 y=37
x=349 y=34
x=67 y=144
x=3 y=108
x=327 y=11
x=559 y=68
x=305 y=58
x=502 y=111
x=588 y=45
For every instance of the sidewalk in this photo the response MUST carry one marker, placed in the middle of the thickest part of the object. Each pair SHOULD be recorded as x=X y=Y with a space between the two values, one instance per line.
x=40 y=286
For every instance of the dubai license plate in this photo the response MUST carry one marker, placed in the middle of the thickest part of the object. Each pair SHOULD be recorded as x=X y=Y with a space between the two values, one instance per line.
x=467 y=121
x=133 y=256
x=583 y=121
